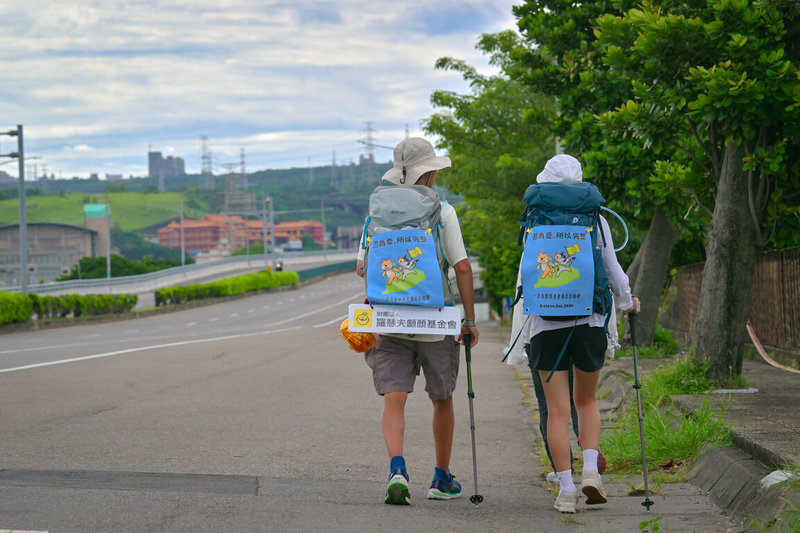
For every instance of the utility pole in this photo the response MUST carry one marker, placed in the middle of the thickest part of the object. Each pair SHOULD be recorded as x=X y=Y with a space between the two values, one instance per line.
x=268 y=249
x=333 y=169
x=23 y=222
x=370 y=143
x=244 y=172
x=322 y=212
x=183 y=249
x=206 y=169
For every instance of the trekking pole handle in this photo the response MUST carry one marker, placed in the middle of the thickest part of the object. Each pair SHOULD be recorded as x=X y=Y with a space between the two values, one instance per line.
x=468 y=357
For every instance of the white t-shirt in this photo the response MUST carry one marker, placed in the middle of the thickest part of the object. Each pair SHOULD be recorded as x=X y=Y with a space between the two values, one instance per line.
x=454 y=251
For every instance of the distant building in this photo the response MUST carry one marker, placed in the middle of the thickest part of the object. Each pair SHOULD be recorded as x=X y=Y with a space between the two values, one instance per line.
x=53 y=249
x=224 y=232
x=5 y=177
x=159 y=167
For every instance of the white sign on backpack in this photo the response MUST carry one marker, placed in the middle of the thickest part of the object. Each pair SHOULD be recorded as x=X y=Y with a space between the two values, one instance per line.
x=405 y=319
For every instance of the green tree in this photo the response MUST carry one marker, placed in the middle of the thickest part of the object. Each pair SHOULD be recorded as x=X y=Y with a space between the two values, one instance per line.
x=497 y=138
x=718 y=81
x=564 y=59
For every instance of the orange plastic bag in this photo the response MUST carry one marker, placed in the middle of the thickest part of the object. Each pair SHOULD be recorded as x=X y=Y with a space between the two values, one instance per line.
x=357 y=341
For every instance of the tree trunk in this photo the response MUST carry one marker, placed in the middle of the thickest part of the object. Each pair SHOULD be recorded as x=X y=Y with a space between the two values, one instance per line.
x=651 y=272
x=732 y=248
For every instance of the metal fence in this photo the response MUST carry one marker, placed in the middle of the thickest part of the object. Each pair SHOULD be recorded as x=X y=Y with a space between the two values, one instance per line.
x=168 y=275
x=775 y=303
x=309 y=273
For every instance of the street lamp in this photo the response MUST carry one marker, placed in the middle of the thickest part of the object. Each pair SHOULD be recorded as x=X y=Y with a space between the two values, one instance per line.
x=268 y=260
x=23 y=223
x=183 y=247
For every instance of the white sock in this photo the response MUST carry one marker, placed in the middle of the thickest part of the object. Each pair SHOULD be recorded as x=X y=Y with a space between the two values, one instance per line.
x=565 y=479
x=590 y=460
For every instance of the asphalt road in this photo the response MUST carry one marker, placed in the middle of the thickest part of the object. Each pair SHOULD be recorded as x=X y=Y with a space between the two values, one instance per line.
x=253 y=415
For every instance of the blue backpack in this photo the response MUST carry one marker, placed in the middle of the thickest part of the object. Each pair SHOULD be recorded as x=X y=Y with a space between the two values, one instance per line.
x=563 y=276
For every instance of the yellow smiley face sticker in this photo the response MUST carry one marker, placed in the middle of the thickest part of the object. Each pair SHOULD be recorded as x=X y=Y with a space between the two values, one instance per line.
x=362 y=318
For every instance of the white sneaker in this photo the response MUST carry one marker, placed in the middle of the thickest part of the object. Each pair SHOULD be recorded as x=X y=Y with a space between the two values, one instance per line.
x=567 y=501
x=592 y=487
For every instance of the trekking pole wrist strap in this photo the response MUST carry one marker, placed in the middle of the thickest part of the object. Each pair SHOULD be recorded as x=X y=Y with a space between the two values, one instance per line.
x=468 y=323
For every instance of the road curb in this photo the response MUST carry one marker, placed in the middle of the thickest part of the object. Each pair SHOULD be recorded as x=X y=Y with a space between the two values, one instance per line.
x=733 y=478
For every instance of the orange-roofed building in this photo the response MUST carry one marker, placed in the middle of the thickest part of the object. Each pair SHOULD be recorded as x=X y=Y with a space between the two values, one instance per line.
x=219 y=231
x=295 y=231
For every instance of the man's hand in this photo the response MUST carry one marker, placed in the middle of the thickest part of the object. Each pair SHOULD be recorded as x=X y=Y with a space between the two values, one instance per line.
x=360 y=268
x=472 y=332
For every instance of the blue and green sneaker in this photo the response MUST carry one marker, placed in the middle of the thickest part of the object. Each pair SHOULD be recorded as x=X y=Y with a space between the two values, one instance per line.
x=397 y=492
x=444 y=489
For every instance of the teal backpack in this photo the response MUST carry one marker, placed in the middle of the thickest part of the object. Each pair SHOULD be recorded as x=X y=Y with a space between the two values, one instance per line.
x=563 y=276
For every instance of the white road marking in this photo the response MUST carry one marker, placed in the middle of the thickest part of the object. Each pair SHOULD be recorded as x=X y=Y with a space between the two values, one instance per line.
x=131 y=331
x=335 y=320
x=251 y=310
x=90 y=336
x=179 y=343
x=233 y=315
x=340 y=302
x=144 y=348
x=213 y=319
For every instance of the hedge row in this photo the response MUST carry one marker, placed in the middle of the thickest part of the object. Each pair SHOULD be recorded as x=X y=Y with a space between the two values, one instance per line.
x=78 y=305
x=21 y=307
x=225 y=287
x=14 y=308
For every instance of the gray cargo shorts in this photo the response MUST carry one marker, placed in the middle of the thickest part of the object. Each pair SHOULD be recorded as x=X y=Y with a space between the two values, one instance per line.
x=395 y=364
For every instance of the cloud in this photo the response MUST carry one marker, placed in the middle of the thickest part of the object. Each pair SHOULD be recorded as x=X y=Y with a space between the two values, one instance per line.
x=285 y=80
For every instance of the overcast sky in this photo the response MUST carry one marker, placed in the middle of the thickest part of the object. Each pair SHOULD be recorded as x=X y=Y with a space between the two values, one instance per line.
x=98 y=83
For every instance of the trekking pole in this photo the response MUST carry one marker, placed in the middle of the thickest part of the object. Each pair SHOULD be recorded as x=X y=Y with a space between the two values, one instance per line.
x=475 y=498
x=638 y=386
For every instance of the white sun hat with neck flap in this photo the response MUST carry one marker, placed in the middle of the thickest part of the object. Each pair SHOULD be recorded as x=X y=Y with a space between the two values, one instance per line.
x=414 y=157
x=562 y=168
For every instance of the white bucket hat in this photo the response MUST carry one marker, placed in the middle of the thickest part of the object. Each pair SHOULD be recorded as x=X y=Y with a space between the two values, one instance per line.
x=562 y=168
x=413 y=158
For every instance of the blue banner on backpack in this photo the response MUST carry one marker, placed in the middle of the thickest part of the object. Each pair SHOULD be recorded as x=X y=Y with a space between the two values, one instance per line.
x=403 y=269
x=558 y=271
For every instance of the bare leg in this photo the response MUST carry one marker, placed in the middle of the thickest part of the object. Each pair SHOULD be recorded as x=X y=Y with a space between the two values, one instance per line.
x=558 y=417
x=443 y=427
x=588 y=411
x=393 y=421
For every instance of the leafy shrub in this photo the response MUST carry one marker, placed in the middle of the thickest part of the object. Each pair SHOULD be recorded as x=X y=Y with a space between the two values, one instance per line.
x=14 y=308
x=225 y=287
x=78 y=305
